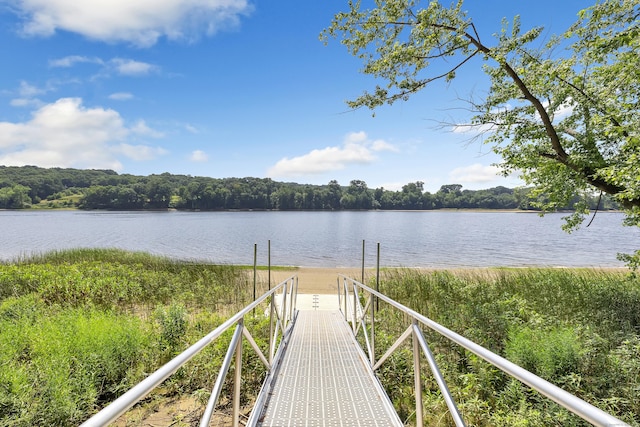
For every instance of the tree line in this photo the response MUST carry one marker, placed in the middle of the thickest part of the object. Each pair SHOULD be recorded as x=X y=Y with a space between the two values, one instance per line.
x=31 y=186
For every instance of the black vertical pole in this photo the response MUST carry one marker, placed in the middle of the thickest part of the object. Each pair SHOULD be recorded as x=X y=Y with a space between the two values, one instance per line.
x=362 y=275
x=378 y=276
x=269 y=256
x=255 y=264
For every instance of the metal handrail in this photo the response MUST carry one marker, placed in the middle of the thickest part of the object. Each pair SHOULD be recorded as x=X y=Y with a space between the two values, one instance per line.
x=565 y=399
x=284 y=318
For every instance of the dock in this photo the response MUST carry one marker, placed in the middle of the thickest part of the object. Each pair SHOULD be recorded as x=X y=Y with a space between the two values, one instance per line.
x=324 y=379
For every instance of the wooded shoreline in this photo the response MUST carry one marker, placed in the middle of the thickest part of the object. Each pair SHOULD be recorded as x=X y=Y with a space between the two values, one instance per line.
x=35 y=187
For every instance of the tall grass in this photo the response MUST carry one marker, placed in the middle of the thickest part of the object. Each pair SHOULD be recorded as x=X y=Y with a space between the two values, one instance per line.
x=80 y=327
x=116 y=279
x=579 y=329
x=55 y=368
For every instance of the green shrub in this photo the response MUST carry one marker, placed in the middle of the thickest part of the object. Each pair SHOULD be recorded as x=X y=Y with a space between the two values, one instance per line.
x=77 y=359
x=173 y=326
x=550 y=353
x=578 y=328
x=80 y=327
x=113 y=279
x=624 y=364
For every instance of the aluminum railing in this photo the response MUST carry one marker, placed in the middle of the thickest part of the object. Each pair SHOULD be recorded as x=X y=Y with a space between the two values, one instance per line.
x=351 y=294
x=282 y=310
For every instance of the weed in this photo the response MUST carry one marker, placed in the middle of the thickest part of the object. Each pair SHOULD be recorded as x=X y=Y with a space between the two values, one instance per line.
x=80 y=327
x=577 y=328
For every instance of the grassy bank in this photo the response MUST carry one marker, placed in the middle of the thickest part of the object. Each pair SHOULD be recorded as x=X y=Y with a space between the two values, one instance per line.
x=579 y=329
x=78 y=328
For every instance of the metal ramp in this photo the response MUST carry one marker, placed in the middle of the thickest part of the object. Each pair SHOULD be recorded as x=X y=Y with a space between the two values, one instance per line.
x=325 y=380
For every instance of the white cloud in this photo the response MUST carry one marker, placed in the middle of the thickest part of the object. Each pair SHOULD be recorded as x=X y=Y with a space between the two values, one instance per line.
x=356 y=149
x=121 y=96
x=355 y=137
x=71 y=60
x=380 y=145
x=392 y=186
x=140 y=22
x=476 y=173
x=198 y=156
x=27 y=90
x=141 y=128
x=121 y=66
x=473 y=128
x=67 y=134
x=27 y=95
x=129 y=67
x=26 y=102
x=191 y=128
x=139 y=152
x=563 y=110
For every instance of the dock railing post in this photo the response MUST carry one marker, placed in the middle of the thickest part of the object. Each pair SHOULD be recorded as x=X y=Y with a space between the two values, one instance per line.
x=255 y=267
x=362 y=275
x=373 y=336
x=354 y=315
x=346 y=296
x=283 y=309
x=226 y=363
x=378 y=276
x=339 y=295
x=271 y=337
x=237 y=381
x=293 y=297
x=416 y=375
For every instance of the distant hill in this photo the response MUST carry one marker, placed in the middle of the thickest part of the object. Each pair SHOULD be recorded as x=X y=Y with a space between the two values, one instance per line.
x=35 y=187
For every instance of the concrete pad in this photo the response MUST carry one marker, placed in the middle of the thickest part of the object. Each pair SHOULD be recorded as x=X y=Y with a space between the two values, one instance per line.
x=317 y=302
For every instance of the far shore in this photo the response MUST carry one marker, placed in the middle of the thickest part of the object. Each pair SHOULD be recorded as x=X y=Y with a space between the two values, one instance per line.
x=46 y=206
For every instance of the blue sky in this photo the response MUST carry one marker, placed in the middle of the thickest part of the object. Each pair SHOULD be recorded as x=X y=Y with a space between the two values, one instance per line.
x=230 y=88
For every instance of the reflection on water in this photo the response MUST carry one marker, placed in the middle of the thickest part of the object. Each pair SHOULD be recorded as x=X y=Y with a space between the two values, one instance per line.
x=327 y=239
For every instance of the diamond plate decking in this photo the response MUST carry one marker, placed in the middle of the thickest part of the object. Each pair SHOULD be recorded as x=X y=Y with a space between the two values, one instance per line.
x=324 y=381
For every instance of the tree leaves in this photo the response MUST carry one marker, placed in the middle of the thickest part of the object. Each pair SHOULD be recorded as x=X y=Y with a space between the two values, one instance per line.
x=565 y=115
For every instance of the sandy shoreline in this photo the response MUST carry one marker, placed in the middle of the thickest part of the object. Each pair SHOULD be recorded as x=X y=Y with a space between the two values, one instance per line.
x=312 y=280
x=323 y=280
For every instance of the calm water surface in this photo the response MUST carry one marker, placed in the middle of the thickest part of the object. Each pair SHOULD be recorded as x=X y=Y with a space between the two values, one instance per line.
x=327 y=239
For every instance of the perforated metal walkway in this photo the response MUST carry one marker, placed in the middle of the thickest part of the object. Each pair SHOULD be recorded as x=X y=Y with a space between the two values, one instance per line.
x=324 y=380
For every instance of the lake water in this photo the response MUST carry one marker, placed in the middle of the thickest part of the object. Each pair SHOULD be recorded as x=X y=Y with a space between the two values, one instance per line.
x=327 y=239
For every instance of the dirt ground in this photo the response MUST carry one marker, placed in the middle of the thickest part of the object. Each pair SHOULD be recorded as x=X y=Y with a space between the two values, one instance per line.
x=313 y=280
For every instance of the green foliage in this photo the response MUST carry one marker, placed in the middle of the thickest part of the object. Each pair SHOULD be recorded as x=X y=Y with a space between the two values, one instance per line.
x=550 y=353
x=562 y=113
x=108 y=190
x=625 y=365
x=76 y=358
x=579 y=329
x=173 y=326
x=111 y=278
x=80 y=327
x=15 y=197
